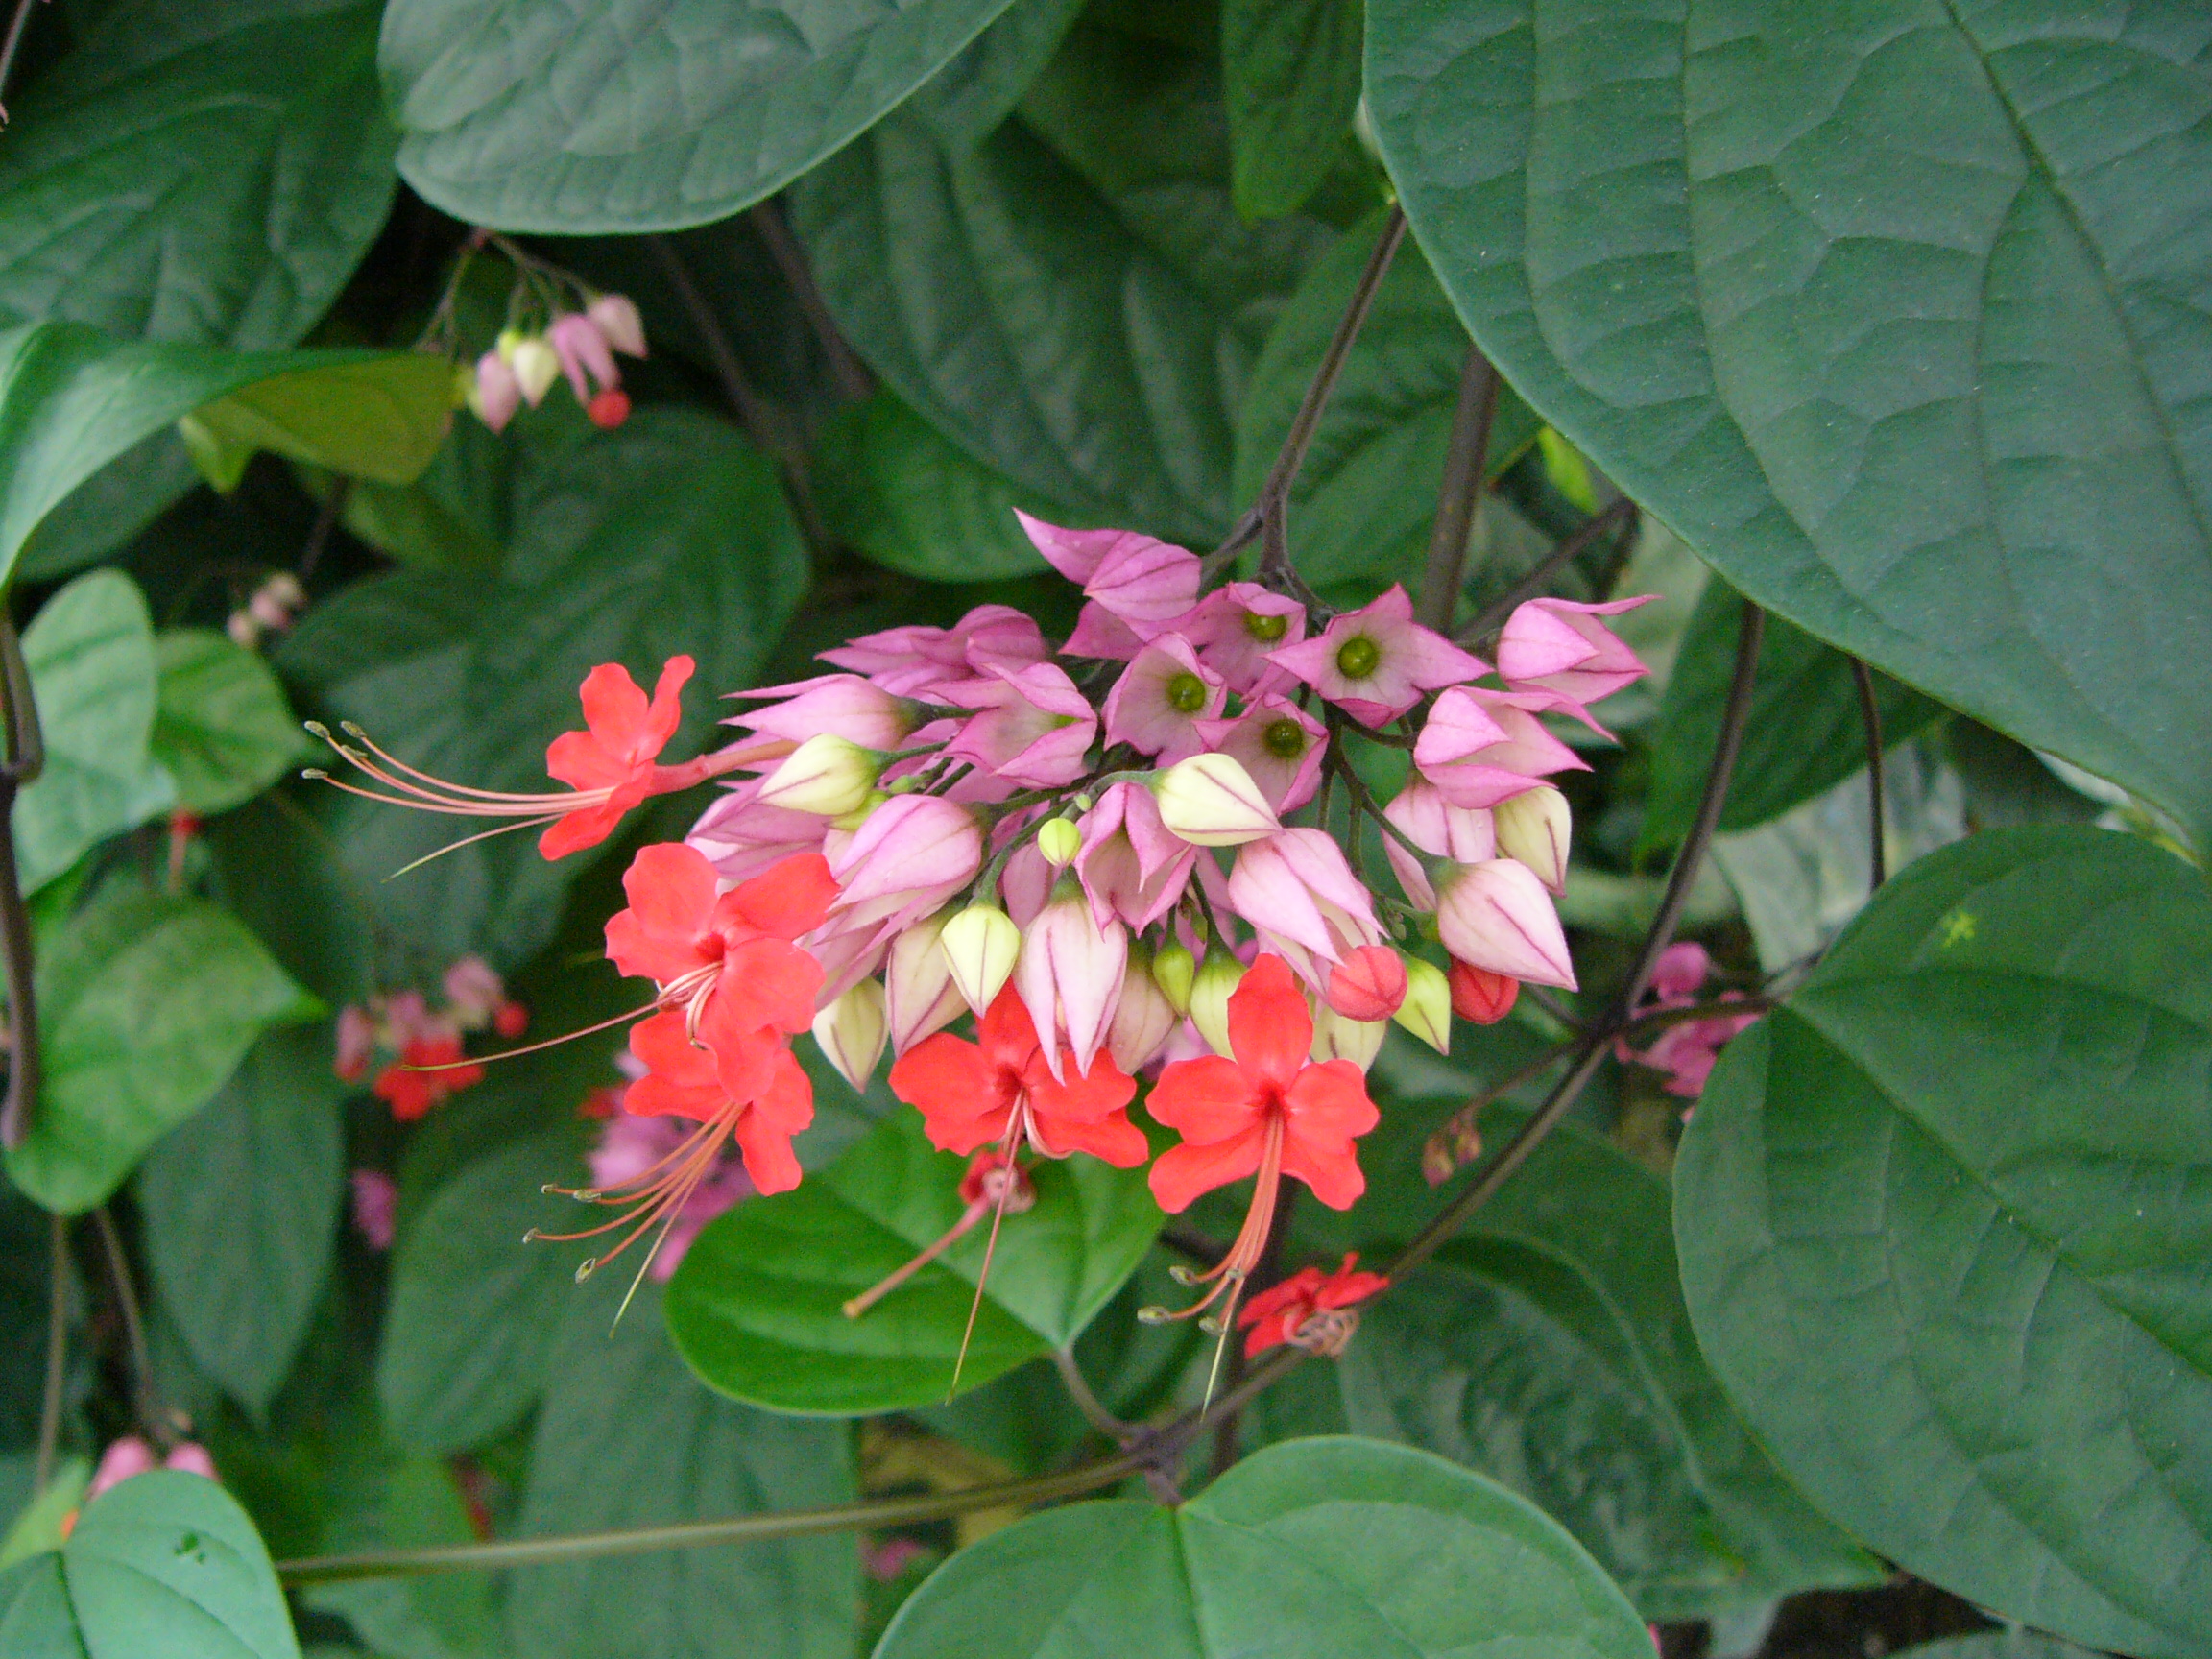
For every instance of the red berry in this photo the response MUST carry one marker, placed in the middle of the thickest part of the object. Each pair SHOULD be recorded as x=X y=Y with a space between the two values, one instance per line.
x=609 y=409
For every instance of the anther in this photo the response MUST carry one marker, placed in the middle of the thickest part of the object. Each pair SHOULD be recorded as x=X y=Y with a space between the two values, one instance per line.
x=1153 y=1316
x=1182 y=1275
x=317 y=729
x=586 y=1194
x=585 y=1267
x=352 y=729
x=315 y=774
x=532 y=1236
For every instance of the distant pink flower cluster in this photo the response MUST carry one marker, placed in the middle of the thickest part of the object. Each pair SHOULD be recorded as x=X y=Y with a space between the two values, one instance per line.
x=428 y=1061
x=581 y=344
x=1688 y=1051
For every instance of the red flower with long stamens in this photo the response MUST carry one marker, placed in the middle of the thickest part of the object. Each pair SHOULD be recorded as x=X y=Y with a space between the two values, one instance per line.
x=610 y=767
x=1268 y=1113
x=429 y=1069
x=1001 y=1090
x=1309 y=1310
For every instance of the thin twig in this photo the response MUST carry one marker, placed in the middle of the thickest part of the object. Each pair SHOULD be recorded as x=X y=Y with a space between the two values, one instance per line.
x=17 y=25
x=754 y=414
x=1877 y=820
x=1621 y=513
x=847 y=371
x=24 y=760
x=56 y=1356
x=1087 y=1402
x=148 y=1401
x=326 y=521
x=1466 y=468
x=1266 y=516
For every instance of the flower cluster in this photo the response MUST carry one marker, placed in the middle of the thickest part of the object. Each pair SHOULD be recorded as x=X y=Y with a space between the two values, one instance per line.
x=1687 y=1050
x=428 y=1061
x=1136 y=854
x=522 y=366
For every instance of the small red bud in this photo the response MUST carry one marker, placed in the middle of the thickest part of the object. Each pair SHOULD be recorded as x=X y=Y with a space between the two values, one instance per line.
x=511 y=1019
x=609 y=409
x=1479 y=996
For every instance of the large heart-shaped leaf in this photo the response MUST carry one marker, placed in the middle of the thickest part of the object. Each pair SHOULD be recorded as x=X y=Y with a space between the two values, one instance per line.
x=1365 y=499
x=241 y=1209
x=163 y=1564
x=1089 y=344
x=586 y=115
x=757 y=1307
x=1944 y=1225
x=1309 y=1549
x=222 y=727
x=147 y=1002
x=669 y=535
x=963 y=101
x=1292 y=79
x=90 y=653
x=1888 y=313
x=1549 y=1350
x=208 y=174
x=629 y=1438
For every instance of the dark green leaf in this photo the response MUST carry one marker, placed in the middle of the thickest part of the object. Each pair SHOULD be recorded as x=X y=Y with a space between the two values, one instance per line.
x=1311 y=1548
x=90 y=653
x=222 y=729
x=1292 y=81
x=629 y=1438
x=1882 y=313
x=756 y=1306
x=475 y=1309
x=147 y=1002
x=979 y=88
x=26 y=1289
x=1365 y=499
x=418 y=1505
x=579 y=115
x=2012 y=1644
x=278 y=868
x=669 y=535
x=1805 y=734
x=1944 y=1227
x=167 y=1563
x=1089 y=347
x=241 y=1207
x=210 y=174
x=109 y=509
x=894 y=489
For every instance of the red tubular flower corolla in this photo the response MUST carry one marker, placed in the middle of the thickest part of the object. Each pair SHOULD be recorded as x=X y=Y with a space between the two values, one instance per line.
x=1309 y=1310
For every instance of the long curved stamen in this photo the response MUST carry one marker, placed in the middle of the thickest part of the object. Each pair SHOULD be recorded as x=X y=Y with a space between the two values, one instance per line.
x=1017 y=1131
x=534 y=1048
x=1228 y=1275
x=472 y=840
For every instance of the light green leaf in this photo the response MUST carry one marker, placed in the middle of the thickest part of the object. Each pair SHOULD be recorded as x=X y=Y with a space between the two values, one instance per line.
x=1885 y=310
x=756 y=1306
x=475 y=1309
x=1805 y=733
x=241 y=1207
x=90 y=653
x=167 y=1563
x=1364 y=502
x=147 y=1002
x=374 y=417
x=1943 y=1225
x=1311 y=1550
x=573 y=116
x=1292 y=79
x=669 y=535
x=38 y=1529
x=1091 y=346
x=629 y=1438
x=221 y=728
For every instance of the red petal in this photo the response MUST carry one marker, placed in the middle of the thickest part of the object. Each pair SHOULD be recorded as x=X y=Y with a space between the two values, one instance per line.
x=1112 y=1139
x=947 y=1078
x=1300 y=1286
x=1079 y=1098
x=1205 y=1099
x=580 y=760
x=573 y=832
x=767 y=982
x=1269 y=1028
x=1329 y=1102
x=1333 y=1171
x=613 y=706
x=1009 y=1034
x=1269 y=1334
x=787 y=1103
x=789 y=898
x=671 y=889
x=1181 y=1174
x=765 y=1129
x=1478 y=995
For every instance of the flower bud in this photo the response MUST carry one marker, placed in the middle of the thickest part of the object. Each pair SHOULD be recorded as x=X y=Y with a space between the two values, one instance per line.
x=919 y=993
x=1059 y=840
x=1535 y=828
x=494 y=393
x=1142 y=1019
x=536 y=366
x=1336 y=1038
x=826 y=775
x=851 y=1032
x=1368 y=985
x=1427 y=1011
x=860 y=814
x=981 y=946
x=1495 y=915
x=1211 y=987
x=1479 y=997
x=619 y=324
x=1211 y=801
x=1172 y=969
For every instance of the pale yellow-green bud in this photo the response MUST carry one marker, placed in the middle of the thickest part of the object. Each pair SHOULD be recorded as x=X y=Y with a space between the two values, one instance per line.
x=1059 y=840
x=1427 y=1011
x=851 y=1030
x=826 y=775
x=1211 y=801
x=1336 y=1038
x=1172 y=969
x=981 y=946
x=536 y=368
x=1536 y=827
x=1217 y=977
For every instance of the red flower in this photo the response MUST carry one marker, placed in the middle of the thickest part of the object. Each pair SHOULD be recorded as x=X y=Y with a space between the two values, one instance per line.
x=1308 y=1309
x=1001 y=1090
x=1268 y=1113
x=732 y=952
x=617 y=752
x=410 y=1092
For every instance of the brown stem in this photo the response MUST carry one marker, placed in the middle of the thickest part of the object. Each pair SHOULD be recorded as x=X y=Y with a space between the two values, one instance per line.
x=326 y=520
x=25 y=759
x=1466 y=467
x=754 y=414
x=1877 y=820
x=1621 y=513
x=1094 y=1409
x=56 y=1356
x=146 y=1402
x=847 y=371
x=8 y=48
